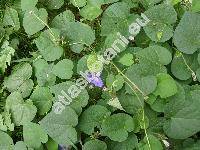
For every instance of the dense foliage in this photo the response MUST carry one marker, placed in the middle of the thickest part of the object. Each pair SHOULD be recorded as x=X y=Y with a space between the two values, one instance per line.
x=151 y=97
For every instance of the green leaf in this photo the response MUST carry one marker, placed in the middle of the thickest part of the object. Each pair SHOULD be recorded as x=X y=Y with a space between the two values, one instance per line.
x=11 y=18
x=90 y=12
x=79 y=35
x=77 y=102
x=183 y=113
x=151 y=63
x=54 y=4
x=19 y=79
x=22 y=112
x=20 y=145
x=173 y=2
x=166 y=86
x=154 y=143
x=78 y=3
x=3 y=127
x=28 y=5
x=187 y=34
x=6 y=142
x=92 y=117
x=44 y=73
x=142 y=78
x=48 y=47
x=5 y=122
x=60 y=127
x=181 y=63
x=161 y=17
x=156 y=54
x=114 y=82
x=130 y=103
x=34 y=135
x=42 y=99
x=26 y=88
x=51 y=145
x=31 y=22
x=82 y=64
x=129 y=144
x=64 y=69
x=95 y=145
x=116 y=18
x=127 y=59
x=190 y=144
x=6 y=53
x=158 y=105
x=195 y=6
x=117 y=126
x=149 y=3
x=114 y=102
x=62 y=20
x=93 y=64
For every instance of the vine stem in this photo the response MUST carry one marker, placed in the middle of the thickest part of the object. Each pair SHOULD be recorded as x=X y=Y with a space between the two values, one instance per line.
x=44 y=23
x=134 y=85
x=145 y=131
x=189 y=68
x=143 y=117
x=143 y=113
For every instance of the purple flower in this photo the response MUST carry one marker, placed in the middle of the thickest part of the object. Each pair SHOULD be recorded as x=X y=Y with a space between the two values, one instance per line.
x=95 y=79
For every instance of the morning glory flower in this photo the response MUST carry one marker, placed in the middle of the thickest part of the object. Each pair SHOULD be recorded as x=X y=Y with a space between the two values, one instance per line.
x=95 y=79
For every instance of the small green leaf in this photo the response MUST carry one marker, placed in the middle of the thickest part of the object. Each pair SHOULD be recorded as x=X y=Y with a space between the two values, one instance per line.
x=153 y=144
x=129 y=144
x=117 y=126
x=92 y=117
x=156 y=54
x=187 y=34
x=79 y=35
x=19 y=79
x=62 y=20
x=64 y=69
x=42 y=99
x=48 y=46
x=54 y=4
x=115 y=82
x=60 y=127
x=34 y=135
x=28 y=5
x=20 y=145
x=161 y=17
x=3 y=127
x=90 y=12
x=31 y=22
x=166 y=86
x=183 y=113
x=95 y=145
x=130 y=102
x=44 y=73
x=127 y=59
x=78 y=3
x=11 y=18
x=6 y=53
x=6 y=142
x=51 y=145
x=22 y=112
x=93 y=64
x=195 y=6
x=5 y=121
